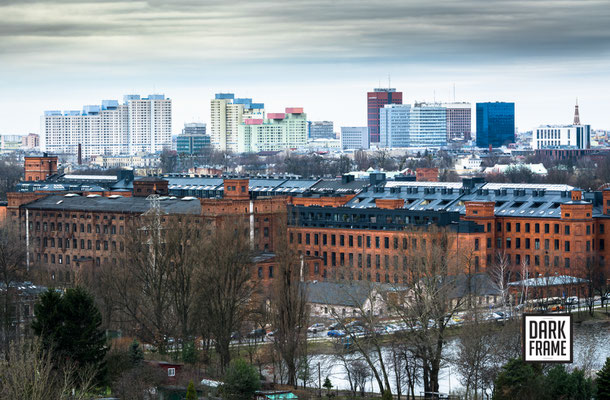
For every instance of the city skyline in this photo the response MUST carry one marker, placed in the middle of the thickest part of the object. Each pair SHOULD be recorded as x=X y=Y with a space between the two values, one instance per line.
x=81 y=52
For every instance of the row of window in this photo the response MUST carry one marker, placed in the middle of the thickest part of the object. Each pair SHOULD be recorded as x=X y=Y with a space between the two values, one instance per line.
x=547 y=228
x=67 y=243
x=360 y=240
x=112 y=229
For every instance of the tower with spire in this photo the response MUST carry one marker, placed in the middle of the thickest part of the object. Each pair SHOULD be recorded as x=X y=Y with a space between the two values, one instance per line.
x=576 y=114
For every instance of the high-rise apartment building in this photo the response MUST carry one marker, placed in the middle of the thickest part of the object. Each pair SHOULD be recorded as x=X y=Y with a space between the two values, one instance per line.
x=279 y=131
x=321 y=130
x=31 y=141
x=427 y=125
x=227 y=113
x=459 y=122
x=495 y=124
x=376 y=100
x=137 y=125
x=394 y=125
x=193 y=139
x=355 y=138
x=562 y=137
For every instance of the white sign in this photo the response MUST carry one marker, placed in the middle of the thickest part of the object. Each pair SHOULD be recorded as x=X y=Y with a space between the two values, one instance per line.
x=547 y=338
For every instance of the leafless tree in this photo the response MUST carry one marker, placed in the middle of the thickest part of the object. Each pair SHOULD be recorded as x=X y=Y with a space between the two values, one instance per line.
x=289 y=301
x=224 y=282
x=31 y=374
x=12 y=270
x=433 y=264
x=361 y=159
x=500 y=275
x=140 y=282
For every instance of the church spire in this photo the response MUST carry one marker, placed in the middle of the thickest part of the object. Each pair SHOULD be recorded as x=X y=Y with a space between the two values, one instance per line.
x=576 y=114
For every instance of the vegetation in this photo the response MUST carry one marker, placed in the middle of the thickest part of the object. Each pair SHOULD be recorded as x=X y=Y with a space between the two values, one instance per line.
x=69 y=327
x=519 y=380
x=241 y=381
x=603 y=381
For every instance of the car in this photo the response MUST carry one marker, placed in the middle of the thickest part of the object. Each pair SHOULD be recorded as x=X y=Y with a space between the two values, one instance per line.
x=335 y=333
x=257 y=333
x=272 y=333
x=572 y=300
x=315 y=328
x=236 y=335
x=334 y=326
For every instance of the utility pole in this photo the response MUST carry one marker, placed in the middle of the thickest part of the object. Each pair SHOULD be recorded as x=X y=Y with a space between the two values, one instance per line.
x=319 y=381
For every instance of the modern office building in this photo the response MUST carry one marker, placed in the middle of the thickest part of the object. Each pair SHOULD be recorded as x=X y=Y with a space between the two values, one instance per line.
x=279 y=131
x=495 y=124
x=193 y=139
x=459 y=124
x=394 y=125
x=376 y=100
x=321 y=130
x=227 y=113
x=428 y=125
x=137 y=125
x=355 y=138
x=562 y=137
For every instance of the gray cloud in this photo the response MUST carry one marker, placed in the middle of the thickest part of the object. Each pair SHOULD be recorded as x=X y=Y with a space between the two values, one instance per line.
x=307 y=31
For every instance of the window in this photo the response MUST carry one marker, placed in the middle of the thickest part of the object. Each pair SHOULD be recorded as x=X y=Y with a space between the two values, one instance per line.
x=517 y=243
x=171 y=372
x=566 y=262
x=489 y=243
x=386 y=242
x=260 y=272
x=266 y=232
x=588 y=229
x=368 y=261
x=601 y=228
x=537 y=244
x=359 y=241
x=537 y=228
x=508 y=243
x=341 y=240
x=508 y=227
x=307 y=238
x=527 y=227
x=556 y=228
x=377 y=242
x=350 y=241
x=518 y=227
x=601 y=244
x=476 y=244
x=547 y=228
x=498 y=226
x=567 y=246
x=567 y=229
x=527 y=243
x=271 y=271
x=333 y=240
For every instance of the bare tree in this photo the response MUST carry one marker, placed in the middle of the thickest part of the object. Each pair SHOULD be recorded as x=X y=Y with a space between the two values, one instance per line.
x=140 y=281
x=12 y=270
x=31 y=374
x=500 y=275
x=224 y=282
x=434 y=263
x=288 y=303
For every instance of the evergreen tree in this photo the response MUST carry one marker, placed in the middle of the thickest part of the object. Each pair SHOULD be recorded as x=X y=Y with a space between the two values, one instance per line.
x=135 y=353
x=69 y=326
x=241 y=381
x=603 y=381
x=519 y=380
x=191 y=393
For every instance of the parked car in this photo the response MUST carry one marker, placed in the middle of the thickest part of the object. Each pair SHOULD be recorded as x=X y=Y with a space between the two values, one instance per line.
x=257 y=333
x=272 y=333
x=315 y=328
x=236 y=335
x=336 y=333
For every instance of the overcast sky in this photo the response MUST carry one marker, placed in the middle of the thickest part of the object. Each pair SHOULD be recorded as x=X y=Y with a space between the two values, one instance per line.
x=319 y=54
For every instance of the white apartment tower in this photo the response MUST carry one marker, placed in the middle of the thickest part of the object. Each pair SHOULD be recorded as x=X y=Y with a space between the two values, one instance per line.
x=137 y=125
x=226 y=115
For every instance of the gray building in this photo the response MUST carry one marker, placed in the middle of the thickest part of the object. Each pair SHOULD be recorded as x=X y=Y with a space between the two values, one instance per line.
x=354 y=137
x=428 y=125
x=193 y=139
x=321 y=130
x=394 y=125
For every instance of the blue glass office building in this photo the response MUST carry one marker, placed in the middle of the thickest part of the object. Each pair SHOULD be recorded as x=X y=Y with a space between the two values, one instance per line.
x=495 y=124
